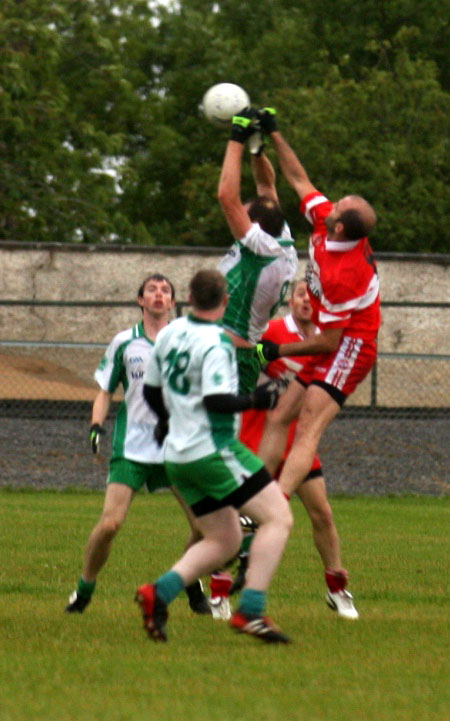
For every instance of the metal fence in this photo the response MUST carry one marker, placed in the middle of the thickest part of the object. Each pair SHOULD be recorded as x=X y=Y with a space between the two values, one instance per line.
x=391 y=437
x=45 y=379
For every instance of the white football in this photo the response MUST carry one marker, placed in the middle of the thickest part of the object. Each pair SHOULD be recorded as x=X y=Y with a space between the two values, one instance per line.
x=222 y=101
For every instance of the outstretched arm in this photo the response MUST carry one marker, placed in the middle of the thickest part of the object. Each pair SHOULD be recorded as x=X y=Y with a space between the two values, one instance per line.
x=293 y=170
x=327 y=341
x=291 y=166
x=229 y=192
x=264 y=397
x=264 y=175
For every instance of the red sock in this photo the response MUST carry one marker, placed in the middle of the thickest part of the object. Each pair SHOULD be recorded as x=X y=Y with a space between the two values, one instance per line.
x=336 y=580
x=220 y=584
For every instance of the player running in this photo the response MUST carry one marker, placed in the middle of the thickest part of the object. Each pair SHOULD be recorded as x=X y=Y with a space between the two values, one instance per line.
x=191 y=383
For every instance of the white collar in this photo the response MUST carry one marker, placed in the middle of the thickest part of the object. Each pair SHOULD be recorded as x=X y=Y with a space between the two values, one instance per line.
x=291 y=325
x=340 y=245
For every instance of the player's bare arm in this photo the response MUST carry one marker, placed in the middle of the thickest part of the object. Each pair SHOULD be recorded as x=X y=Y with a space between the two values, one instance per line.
x=291 y=166
x=100 y=407
x=265 y=177
x=229 y=192
x=325 y=342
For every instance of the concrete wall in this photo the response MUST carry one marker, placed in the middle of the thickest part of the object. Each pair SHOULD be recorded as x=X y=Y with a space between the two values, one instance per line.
x=93 y=273
x=70 y=273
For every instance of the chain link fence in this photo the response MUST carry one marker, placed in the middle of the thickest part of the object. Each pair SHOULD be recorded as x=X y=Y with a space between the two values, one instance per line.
x=401 y=412
x=48 y=379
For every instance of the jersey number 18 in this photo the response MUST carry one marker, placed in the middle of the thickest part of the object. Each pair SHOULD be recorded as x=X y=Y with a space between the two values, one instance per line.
x=178 y=364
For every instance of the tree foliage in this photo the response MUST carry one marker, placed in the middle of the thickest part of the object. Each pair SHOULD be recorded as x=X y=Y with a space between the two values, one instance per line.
x=102 y=137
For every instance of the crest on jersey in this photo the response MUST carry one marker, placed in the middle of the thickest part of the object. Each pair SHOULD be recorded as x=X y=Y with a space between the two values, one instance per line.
x=343 y=364
x=313 y=281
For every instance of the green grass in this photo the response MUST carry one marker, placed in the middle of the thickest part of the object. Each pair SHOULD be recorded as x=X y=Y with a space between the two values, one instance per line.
x=391 y=665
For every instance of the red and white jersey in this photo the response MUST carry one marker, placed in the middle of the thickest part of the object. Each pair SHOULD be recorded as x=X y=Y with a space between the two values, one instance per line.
x=280 y=330
x=285 y=330
x=342 y=277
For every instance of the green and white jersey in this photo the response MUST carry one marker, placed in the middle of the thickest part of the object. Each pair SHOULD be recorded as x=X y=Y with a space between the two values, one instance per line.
x=259 y=270
x=192 y=359
x=124 y=362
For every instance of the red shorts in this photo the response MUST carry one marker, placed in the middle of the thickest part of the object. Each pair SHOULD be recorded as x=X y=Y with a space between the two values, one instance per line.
x=343 y=370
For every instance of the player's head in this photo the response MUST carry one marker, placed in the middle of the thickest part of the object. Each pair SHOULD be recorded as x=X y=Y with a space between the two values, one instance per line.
x=299 y=302
x=267 y=212
x=208 y=290
x=156 y=294
x=351 y=218
x=158 y=278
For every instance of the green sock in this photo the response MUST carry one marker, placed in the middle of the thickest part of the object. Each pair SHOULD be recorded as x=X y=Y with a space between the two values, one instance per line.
x=252 y=602
x=169 y=586
x=85 y=588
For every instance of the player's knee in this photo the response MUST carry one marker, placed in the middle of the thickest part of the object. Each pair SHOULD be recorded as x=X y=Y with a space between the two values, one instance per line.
x=288 y=518
x=280 y=417
x=111 y=524
x=280 y=516
x=322 y=517
x=229 y=541
x=234 y=541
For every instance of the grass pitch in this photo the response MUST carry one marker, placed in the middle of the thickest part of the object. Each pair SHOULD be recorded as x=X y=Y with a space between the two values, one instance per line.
x=391 y=665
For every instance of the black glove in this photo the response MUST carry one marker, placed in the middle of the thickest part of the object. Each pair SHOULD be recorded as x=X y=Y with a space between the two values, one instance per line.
x=244 y=124
x=95 y=431
x=265 y=397
x=267 y=351
x=268 y=120
x=161 y=431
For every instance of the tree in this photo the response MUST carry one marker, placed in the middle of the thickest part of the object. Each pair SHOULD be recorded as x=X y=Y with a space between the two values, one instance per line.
x=61 y=79
x=103 y=139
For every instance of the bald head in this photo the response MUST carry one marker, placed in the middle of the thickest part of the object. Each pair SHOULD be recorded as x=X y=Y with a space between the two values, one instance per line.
x=352 y=218
x=364 y=210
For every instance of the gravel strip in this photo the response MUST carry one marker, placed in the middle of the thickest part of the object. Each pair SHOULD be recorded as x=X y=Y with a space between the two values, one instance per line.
x=373 y=456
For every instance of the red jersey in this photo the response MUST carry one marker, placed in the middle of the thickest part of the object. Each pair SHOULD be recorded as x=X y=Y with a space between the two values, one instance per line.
x=342 y=277
x=285 y=330
x=280 y=330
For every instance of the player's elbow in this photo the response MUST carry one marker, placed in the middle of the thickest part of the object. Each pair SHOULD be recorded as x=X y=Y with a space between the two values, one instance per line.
x=225 y=197
x=333 y=345
x=331 y=340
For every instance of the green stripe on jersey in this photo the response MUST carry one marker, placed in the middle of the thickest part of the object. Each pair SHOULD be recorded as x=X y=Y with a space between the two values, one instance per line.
x=242 y=282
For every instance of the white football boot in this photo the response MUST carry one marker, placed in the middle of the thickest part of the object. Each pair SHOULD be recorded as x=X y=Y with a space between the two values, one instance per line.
x=342 y=602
